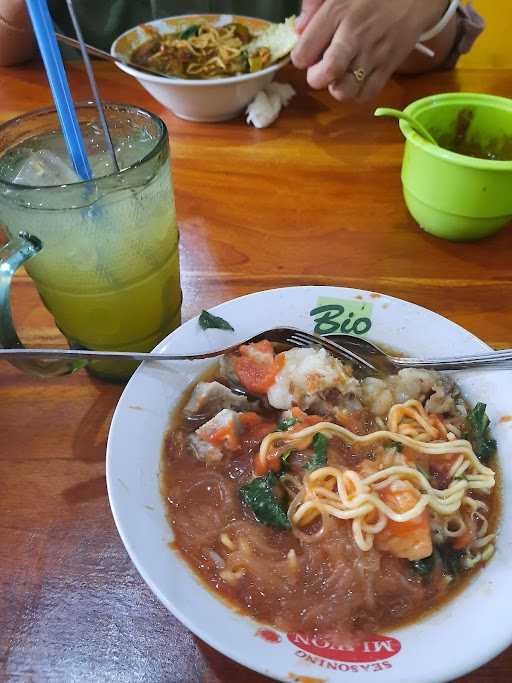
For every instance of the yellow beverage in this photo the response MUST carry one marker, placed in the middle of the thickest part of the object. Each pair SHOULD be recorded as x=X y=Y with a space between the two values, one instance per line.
x=108 y=270
x=142 y=313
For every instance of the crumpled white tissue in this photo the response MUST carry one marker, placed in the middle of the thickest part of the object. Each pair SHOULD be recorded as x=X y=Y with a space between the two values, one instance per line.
x=265 y=107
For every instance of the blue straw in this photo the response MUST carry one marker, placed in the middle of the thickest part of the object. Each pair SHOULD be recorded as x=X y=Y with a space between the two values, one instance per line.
x=45 y=35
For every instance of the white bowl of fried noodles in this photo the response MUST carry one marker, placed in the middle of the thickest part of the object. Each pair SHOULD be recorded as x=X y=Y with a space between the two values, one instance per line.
x=202 y=545
x=221 y=90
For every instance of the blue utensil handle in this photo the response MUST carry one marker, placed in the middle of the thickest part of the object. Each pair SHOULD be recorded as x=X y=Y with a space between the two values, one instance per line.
x=49 y=49
x=12 y=256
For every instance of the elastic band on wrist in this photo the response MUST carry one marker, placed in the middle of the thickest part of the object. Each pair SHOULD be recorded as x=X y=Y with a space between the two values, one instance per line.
x=442 y=23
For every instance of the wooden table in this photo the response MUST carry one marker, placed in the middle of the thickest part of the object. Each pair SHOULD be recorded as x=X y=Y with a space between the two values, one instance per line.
x=315 y=199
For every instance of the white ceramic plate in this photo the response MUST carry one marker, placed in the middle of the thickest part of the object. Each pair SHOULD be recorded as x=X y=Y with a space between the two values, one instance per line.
x=461 y=636
x=214 y=99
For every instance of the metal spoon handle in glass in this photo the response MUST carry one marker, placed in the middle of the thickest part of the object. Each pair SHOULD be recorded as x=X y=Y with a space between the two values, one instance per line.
x=94 y=88
x=416 y=125
x=101 y=54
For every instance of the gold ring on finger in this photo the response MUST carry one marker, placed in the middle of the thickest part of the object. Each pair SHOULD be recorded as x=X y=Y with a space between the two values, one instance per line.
x=359 y=74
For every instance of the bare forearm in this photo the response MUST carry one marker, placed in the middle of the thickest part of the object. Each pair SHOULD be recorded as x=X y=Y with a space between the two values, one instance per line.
x=16 y=37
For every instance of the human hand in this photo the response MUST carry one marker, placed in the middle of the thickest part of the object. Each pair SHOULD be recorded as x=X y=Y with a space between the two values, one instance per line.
x=14 y=12
x=343 y=39
x=16 y=38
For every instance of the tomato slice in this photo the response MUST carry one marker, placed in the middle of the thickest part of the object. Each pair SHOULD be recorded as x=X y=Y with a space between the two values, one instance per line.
x=225 y=436
x=257 y=366
x=412 y=539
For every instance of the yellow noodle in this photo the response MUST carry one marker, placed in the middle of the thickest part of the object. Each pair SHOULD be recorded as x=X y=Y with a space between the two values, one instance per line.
x=342 y=493
x=213 y=52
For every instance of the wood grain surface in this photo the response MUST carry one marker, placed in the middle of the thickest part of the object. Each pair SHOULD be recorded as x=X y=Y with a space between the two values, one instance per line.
x=315 y=199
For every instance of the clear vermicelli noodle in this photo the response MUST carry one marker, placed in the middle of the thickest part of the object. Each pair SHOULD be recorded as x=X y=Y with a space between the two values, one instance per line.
x=324 y=502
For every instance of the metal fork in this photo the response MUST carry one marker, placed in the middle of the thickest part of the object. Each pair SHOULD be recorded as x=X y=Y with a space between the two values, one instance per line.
x=283 y=335
x=367 y=356
x=388 y=363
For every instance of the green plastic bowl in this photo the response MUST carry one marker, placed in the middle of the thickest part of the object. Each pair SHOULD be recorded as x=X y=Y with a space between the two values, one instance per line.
x=451 y=195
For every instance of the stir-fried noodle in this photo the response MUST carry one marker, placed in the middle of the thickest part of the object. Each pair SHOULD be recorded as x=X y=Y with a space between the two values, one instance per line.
x=201 y=51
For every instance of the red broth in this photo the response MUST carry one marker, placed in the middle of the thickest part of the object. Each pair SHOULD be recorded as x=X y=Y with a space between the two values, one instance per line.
x=498 y=149
x=326 y=587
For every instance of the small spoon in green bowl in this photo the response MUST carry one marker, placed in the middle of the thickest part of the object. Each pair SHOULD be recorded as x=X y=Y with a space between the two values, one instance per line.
x=414 y=123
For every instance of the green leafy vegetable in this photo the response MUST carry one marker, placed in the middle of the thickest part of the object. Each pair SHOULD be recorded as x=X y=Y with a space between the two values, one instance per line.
x=285 y=465
x=244 y=59
x=242 y=31
x=452 y=559
x=477 y=424
x=259 y=496
x=286 y=455
x=424 y=567
x=189 y=32
x=319 y=459
x=286 y=423
x=394 y=444
x=208 y=321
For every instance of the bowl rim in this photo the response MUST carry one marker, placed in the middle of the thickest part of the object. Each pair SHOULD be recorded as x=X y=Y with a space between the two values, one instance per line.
x=445 y=154
x=193 y=83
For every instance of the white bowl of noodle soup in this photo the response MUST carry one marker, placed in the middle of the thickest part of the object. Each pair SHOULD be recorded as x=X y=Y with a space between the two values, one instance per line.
x=212 y=100
x=458 y=637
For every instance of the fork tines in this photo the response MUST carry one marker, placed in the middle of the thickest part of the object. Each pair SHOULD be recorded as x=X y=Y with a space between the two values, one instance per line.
x=305 y=339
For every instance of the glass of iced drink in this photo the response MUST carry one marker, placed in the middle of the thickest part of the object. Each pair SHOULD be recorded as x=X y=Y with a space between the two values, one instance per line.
x=102 y=253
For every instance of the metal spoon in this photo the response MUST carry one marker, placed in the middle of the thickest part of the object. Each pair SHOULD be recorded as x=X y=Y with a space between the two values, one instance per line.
x=94 y=87
x=414 y=123
x=96 y=52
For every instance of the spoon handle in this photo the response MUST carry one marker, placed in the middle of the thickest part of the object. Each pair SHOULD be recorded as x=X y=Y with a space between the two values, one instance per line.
x=414 y=123
x=96 y=52
x=498 y=360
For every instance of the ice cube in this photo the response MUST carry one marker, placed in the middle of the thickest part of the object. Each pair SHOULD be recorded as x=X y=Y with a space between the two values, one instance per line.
x=44 y=168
